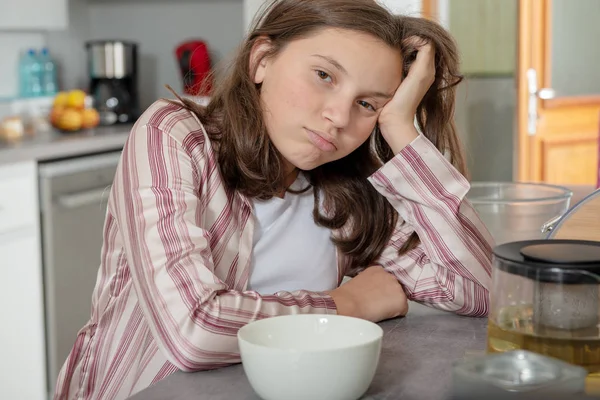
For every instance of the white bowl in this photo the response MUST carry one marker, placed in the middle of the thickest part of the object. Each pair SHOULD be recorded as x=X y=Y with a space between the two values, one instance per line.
x=301 y=357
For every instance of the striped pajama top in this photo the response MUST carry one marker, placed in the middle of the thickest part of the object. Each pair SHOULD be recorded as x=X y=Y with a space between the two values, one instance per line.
x=171 y=290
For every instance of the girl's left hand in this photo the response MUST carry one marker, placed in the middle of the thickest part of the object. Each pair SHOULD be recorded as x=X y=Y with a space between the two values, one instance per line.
x=396 y=121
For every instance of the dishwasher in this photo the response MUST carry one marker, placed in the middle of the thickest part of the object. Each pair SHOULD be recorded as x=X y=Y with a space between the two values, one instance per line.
x=73 y=200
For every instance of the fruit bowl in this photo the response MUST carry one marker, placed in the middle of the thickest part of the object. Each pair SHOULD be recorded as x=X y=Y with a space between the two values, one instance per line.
x=70 y=113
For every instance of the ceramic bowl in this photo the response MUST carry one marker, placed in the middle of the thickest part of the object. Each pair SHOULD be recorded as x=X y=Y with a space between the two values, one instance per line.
x=300 y=357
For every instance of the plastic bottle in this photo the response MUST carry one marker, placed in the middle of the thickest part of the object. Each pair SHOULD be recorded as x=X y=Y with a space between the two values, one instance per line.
x=30 y=77
x=48 y=73
x=24 y=81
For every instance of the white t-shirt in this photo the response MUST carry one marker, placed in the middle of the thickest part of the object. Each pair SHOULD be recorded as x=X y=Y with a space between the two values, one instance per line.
x=291 y=252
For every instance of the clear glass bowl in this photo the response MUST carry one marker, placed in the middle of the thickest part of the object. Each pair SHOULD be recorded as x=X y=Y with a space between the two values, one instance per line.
x=514 y=211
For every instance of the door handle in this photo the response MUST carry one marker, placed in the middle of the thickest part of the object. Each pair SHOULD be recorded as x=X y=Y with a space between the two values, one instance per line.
x=534 y=94
x=80 y=199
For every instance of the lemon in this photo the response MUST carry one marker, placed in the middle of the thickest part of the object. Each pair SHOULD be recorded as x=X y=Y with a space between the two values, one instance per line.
x=60 y=100
x=76 y=99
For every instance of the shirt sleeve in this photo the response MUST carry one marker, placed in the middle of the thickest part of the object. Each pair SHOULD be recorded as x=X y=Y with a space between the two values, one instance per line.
x=451 y=267
x=193 y=315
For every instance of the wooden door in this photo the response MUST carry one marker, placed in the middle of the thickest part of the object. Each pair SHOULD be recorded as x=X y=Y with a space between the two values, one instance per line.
x=558 y=91
x=558 y=87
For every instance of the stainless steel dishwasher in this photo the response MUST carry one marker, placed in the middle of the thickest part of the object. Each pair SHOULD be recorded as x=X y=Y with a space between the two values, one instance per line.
x=73 y=199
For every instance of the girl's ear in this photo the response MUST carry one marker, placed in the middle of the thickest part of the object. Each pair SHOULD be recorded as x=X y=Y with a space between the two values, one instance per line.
x=259 y=60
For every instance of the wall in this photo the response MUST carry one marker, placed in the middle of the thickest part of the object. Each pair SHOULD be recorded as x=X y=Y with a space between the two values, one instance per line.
x=405 y=7
x=159 y=27
x=575 y=52
x=67 y=47
x=487 y=33
x=487 y=99
x=485 y=119
x=251 y=7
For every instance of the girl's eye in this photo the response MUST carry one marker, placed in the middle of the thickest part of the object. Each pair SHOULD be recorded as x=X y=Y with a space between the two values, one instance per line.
x=366 y=105
x=324 y=76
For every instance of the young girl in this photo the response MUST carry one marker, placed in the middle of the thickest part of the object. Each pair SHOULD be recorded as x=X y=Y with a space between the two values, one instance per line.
x=305 y=167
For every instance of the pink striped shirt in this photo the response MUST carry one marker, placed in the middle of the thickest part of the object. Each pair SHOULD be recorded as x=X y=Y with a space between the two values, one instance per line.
x=171 y=289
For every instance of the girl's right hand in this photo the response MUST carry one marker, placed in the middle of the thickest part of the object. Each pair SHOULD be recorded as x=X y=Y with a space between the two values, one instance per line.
x=374 y=295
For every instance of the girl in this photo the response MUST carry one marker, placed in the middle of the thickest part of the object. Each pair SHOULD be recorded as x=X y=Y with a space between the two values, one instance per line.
x=305 y=167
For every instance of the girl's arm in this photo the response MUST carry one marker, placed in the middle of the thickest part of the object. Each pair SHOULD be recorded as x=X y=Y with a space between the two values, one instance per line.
x=193 y=315
x=451 y=267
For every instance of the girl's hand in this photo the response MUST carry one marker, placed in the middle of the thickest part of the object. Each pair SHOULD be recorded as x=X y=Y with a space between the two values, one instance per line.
x=396 y=120
x=374 y=295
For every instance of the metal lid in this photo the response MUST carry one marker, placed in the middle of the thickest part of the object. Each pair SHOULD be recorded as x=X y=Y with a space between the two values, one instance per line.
x=112 y=59
x=556 y=261
x=102 y=42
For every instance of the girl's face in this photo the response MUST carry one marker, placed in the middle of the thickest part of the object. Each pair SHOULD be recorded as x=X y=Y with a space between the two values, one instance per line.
x=321 y=95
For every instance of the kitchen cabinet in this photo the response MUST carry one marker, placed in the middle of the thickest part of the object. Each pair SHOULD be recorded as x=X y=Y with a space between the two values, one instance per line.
x=33 y=15
x=22 y=343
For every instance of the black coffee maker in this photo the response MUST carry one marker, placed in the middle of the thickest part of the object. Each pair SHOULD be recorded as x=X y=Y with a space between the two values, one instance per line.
x=113 y=73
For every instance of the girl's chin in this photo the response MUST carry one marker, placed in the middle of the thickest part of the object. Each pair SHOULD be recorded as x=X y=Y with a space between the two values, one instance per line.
x=306 y=160
x=306 y=163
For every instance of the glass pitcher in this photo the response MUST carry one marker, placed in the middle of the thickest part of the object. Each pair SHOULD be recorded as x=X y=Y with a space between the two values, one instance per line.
x=545 y=299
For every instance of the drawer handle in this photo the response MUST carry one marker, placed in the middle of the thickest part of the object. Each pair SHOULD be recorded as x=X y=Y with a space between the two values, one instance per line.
x=85 y=198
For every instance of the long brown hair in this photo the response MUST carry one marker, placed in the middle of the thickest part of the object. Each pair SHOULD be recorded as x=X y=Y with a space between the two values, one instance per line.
x=251 y=165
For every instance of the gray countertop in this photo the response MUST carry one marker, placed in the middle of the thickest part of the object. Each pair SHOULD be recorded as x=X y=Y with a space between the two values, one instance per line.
x=416 y=362
x=54 y=144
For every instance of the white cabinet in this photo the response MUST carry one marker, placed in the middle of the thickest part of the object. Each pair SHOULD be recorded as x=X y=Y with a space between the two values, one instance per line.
x=34 y=14
x=23 y=371
x=22 y=343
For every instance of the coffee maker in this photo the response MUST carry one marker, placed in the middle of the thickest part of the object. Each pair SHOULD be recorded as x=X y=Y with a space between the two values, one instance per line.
x=113 y=85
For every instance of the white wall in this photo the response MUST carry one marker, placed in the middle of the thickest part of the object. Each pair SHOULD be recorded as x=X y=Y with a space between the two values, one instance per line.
x=67 y=47
x=406 y=7
x=251 y=7
x=159 y=27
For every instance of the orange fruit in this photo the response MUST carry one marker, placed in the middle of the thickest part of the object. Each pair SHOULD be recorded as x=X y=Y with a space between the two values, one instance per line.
x=55 y=114
x=70 y=120
x=90 y=118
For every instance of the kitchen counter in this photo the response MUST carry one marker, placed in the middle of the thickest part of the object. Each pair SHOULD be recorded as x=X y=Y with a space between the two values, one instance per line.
x=417 y=357
x=54 y=144
x=416 y=362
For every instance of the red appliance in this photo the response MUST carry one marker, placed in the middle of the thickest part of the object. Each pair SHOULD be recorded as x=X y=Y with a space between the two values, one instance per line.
x=194 y=64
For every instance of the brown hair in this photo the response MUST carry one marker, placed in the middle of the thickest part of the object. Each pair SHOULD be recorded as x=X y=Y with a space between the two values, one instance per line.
x=251 y=165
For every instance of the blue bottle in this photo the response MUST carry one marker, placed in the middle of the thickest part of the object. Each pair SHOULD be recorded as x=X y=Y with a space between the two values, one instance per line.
x=24 y=81
x=30 y=75
x=48 y=73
